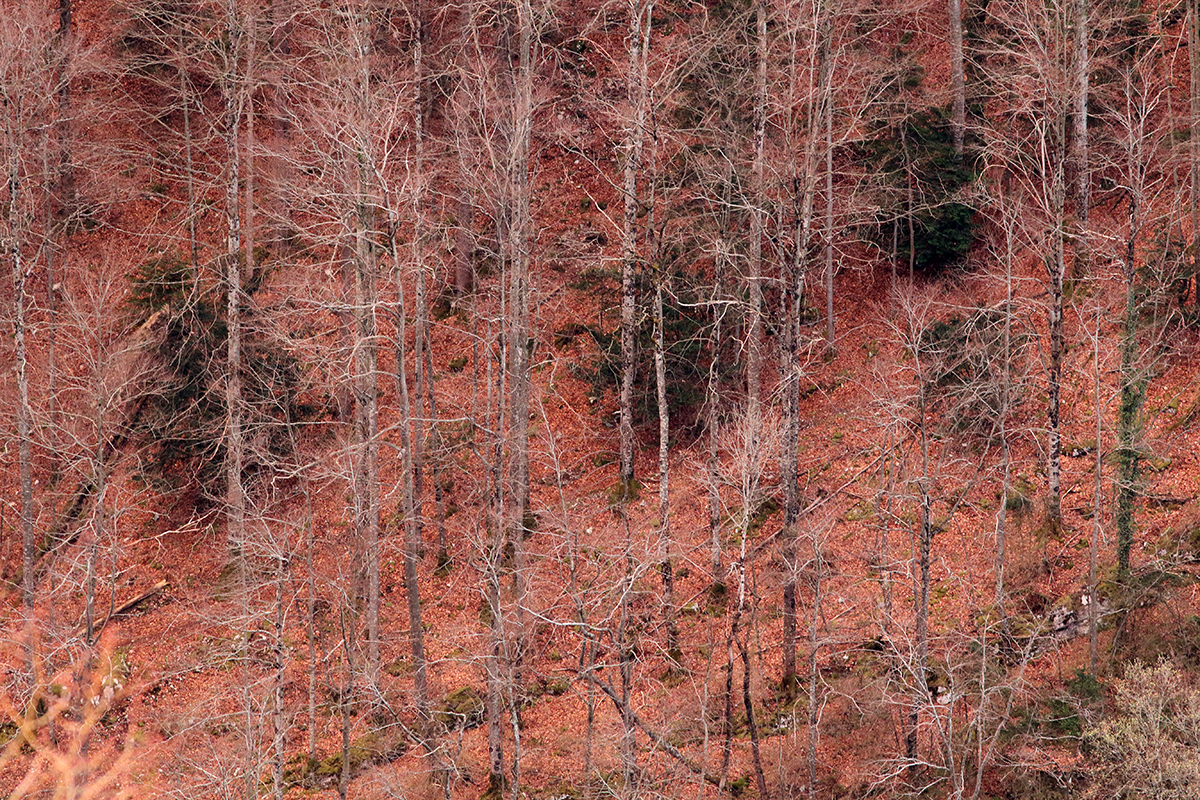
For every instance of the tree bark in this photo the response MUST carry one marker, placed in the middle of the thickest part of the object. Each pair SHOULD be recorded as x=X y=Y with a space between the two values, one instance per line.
x=666 y=568
x=1194 y=138
x=1079 y=141
x=826 y=96
x=640 y=13
x=1056 y=271
x=235 y=500
x=958 y=90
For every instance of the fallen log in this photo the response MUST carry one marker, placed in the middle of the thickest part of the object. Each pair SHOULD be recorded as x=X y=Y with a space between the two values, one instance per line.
x=127 y=606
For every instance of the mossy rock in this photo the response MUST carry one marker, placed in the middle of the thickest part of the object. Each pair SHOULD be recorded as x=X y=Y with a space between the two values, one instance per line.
x=718 y=599
x=377 y=747
x=486 y=616
x=462 y=709
x=1079 y=449
x=496 y=789
x=766 y=509
x=396 y=668
x=300 y=770
x=625 y=491
x=1156 y=464
x=858 y=512
x=738 y=786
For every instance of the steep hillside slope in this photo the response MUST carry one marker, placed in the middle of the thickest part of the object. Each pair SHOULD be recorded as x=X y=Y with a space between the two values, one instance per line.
x=342 y=335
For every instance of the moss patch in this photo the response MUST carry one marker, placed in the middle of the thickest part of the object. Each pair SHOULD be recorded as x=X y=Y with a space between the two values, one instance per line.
x=462 y=709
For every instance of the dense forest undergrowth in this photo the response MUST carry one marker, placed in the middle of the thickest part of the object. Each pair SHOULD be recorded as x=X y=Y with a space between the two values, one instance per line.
x=770 y=398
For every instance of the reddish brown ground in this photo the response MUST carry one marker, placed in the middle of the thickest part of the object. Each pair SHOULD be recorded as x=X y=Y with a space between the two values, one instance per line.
x=179 y=643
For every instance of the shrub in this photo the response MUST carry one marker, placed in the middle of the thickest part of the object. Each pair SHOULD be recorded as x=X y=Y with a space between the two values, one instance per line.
x=1147 y=748
x=915 y=155
x=181 y=419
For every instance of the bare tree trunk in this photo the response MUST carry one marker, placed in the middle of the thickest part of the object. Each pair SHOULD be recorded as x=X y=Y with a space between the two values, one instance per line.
x=757 y=268
x=1005 y=409
x=827 y=99
x=365 y=352
x=1056 y=269
x=958 y=90
x=412 y=536
x=1079 y=141
x=520 y=345
x=279 y=722
x=666 y=568
x=1097 y=504
x=627 y=657
x=521 y=236
x=190 y=170
x=413 y=516
x=24 y=411
x=1194 y=138
x=66 y=167
x=712 y=424
x=640 y=13
x=346 y=698
x=921 y=588
x=235 y=500
x=1054 y=448
x=805 y=191
x=494 y=416
x=790 y=469
x=310 y=613
x=1133 y=393
x=747 y=701
x=52 y=234
x=814 y=675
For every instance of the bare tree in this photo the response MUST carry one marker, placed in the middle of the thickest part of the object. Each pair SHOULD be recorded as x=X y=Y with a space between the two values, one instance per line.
x=641 y=13
x=28 y=89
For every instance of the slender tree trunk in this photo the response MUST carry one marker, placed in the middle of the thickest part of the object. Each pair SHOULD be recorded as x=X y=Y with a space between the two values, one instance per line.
x=278 y=711
x=627 y=656
x=520 y=345
x=24 y=410
x=1097 y=505
x=412 y=538
x=65 y=179
x=494 y=416
x=346 y=699
x=640 y=13
x=666 y=568
x=830 y=342
x=790 y=469
x=1133 y=393
x=1005 y=410
x=814 y=675
x=415 y=453
x=921 y=588
x=712 y=404
x=185 y=92
x=757 y=268
x=806 y=187
x=365 y=351
x=235 y=500
x=310 y=613
x=1056 y=269
x=52 y=233
x=522 y=238
x=1194 y=138
x=958 y=90
x=1079 y=140
x=747 y=701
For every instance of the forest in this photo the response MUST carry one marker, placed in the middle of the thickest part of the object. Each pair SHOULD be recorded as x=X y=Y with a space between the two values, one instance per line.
x=620 y=399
